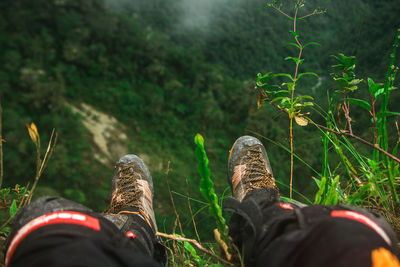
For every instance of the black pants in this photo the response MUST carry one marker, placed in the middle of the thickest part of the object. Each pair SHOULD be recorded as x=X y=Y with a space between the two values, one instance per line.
x=57 y=232
x=271 y=232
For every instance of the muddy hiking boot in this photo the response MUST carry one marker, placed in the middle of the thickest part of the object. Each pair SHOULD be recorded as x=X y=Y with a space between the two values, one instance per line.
x=131 y=206
x=132 y=190
x=249 y=167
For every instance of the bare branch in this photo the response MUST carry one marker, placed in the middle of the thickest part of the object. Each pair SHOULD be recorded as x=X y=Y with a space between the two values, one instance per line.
x=280 y=11
x=190 y=210
x=312 y=14
x=346 y=134
x=358 y=139
x=172 y=199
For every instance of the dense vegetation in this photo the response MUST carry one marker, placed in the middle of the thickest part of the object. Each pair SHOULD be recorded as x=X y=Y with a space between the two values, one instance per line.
x=166 y=70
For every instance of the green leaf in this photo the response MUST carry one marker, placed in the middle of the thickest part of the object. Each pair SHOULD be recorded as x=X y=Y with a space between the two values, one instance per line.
x=280 y=98
x=336 y=58
x=331 y=196
x=318 y=182
x=13 y=208
x=295 y=35
x=279 y=93
x=387 y=114
x=294 y=44
x=263 y=78
x=362 y=103
x=349 y=62
x=283 y=75
x=311 y=43
x=372 y=86
x=321 y=185
x=305 y=97
x=308 y=104
x=5 y=230
x=269 y=87
x=193 y=253
x=296 y=60
x=338 y=67
x=379 y=92
x=290 y=87
x=307 y=73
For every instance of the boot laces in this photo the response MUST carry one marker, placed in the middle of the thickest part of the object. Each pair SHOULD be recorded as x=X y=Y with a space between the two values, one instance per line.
x=256 y=174
x=126 y=192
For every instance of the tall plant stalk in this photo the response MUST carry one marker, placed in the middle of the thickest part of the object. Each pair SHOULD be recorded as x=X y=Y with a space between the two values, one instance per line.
x=382 y=129
x=295 y=106
x=292 y=96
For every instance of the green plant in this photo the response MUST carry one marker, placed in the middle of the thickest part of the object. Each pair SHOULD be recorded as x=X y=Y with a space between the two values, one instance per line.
x=289 y=102
x=17 y=197
x=370 y=175
x=207 y=186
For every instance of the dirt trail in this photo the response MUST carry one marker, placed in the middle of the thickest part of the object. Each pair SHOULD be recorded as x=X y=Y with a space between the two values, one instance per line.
x=107 y=133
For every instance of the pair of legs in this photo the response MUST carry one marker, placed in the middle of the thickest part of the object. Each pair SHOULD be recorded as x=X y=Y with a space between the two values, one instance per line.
x=268 y=231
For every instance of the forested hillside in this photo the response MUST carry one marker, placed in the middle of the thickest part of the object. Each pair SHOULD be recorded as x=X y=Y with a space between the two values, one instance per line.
x=166 y=70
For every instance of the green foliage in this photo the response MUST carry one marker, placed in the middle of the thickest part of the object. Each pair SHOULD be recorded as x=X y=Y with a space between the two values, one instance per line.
x=193 y=253
x=368 y=174
x=207 y=186
x=321 y=184
x=10 y=200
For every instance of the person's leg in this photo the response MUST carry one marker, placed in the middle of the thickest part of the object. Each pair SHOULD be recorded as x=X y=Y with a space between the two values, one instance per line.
x=131 y=205
x=56 y=232
x=272 y=232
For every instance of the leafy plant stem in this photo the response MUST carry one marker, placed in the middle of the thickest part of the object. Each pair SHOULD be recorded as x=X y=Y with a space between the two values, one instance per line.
x=291 y=116
x=291 y=158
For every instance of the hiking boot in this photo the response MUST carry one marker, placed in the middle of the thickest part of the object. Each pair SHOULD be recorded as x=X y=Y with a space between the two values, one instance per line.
x=132 y=190
x=249 y=167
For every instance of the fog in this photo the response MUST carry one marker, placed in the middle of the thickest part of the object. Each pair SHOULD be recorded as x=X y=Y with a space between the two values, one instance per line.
x=184 y=14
